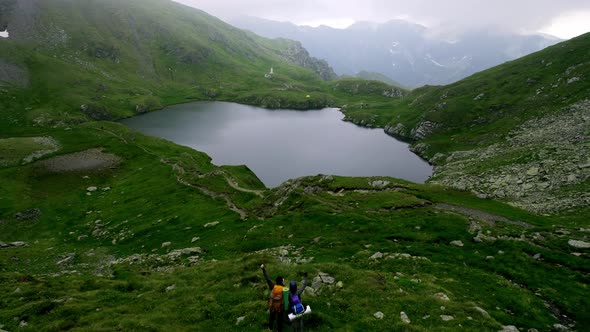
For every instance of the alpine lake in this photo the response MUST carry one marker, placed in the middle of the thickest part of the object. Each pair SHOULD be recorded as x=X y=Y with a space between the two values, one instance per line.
x=278 y=145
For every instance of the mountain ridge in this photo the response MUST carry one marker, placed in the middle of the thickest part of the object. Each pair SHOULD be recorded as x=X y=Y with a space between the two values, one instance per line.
x=405 y=52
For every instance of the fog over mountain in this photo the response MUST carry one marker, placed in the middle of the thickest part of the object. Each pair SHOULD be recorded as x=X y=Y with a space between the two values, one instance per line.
x=408 y=53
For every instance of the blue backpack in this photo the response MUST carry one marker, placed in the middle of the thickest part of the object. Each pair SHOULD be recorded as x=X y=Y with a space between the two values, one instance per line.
x=297 y=307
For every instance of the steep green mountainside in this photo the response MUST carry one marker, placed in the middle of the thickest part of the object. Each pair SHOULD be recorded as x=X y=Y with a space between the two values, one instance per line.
x=118 y=58
x=103 y=228
x=517 y=132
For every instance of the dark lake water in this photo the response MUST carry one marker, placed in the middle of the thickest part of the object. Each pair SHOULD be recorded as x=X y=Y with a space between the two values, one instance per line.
x=283 y=144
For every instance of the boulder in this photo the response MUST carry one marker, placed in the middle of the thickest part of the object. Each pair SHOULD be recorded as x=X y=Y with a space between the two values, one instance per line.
x=404 y=317
x=446 y=318
x=376 y=256
x=379 y=315
x=578 y=244
x=457 y=243
x=509 y=328
x=442 y=296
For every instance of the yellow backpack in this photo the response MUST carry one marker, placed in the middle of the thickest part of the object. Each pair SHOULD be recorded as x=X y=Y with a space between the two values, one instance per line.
x=275 y=303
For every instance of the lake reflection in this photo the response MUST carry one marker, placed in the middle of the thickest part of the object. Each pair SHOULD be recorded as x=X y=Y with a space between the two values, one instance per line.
x=282 y=144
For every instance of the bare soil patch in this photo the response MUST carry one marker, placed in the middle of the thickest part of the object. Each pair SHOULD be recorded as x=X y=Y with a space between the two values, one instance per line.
x=89 y=160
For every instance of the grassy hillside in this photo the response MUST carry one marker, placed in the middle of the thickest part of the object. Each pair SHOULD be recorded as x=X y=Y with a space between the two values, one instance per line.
x=516 y=132
x=103 y=228
x=120 y=58
x=165 y=240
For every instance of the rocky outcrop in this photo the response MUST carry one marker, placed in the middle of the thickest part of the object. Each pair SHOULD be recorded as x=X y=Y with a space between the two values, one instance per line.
x=296 y=54
x=423 y=130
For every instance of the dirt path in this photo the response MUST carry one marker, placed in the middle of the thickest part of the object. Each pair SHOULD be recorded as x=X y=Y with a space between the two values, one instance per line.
x=489 y=218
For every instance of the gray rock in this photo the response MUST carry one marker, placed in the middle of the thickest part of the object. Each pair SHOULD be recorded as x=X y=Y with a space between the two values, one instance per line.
x=533 y=171
x=91 y=189
x=18 y=244
x=559 y=327
x=578 y=244
x=442 y=296
x=483 y=312
x=240 y=319
x=166 y=244
x=572 y=80
x=339 y=285
x=211 y=224
x=376 y=256
x=195 y=239
x=170 y=288
x=509 y=328
x=379 y=184
x=446 y=318
x=326 y=278
x=404 y=317
x=379 y=315
x=457 y=243
x=191 y=251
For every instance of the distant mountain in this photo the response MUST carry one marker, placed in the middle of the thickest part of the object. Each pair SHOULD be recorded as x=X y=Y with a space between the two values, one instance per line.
x=408 y=53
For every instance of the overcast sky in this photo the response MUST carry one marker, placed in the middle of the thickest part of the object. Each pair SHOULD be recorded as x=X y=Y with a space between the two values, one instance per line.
x=564 y=18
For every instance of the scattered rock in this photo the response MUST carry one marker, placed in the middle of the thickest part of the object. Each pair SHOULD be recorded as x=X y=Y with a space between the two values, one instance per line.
x=578 y=244
x=91 y=189
x=533 y=171
x=18 y=244
x=166 y=244
x=23 y=324
x=559 y=327
x=339 y=285
x=379 y=315
x=379 y=184
x=572 y=80
x=457 y=243
x=509 y=328
x=442 y=296
x=211 y=224
x=446 y=318
x=195 y=239
x=31 y=214
x=326 y=278
x=404 y=317
x=376 y=256
x=191 y=251
x=170 y=288
x=240 y=319
x=317 y=239
x=483 y=312
x=537 y=256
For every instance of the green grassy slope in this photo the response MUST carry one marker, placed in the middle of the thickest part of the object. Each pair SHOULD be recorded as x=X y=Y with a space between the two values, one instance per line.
x=119 y=58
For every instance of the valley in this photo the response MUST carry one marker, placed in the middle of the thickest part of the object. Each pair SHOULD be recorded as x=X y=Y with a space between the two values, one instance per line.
x=105 y=228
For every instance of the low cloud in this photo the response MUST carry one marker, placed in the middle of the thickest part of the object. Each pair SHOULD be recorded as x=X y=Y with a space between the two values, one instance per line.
x=512 y=15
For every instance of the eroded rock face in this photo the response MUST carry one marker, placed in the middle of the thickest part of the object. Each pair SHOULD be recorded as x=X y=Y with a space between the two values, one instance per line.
x=296 y=54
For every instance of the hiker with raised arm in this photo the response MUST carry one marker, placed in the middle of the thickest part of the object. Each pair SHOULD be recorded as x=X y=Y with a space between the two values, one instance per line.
x=276 y=301
x=296 y=307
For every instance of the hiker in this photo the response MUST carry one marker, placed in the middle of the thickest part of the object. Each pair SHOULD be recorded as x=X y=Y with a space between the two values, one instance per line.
x=295 y=306
x=276 y=302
